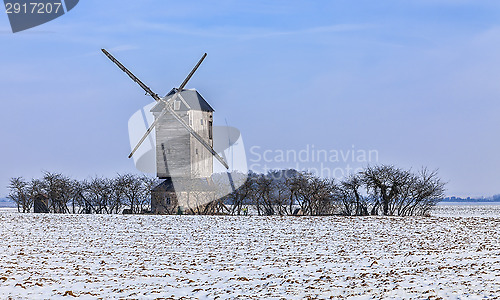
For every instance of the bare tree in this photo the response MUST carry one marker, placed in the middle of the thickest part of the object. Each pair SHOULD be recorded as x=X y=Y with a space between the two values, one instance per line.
x=132 y=190
x=148 y=183
x=59 y=191
x=20 y=195
x=428 y=189
x=98 y=192
x=320 y=192
x=400 y=192
x=385 y=183
x=264 y=195
x=238 y=200
x=348 y=193
x=82 y=203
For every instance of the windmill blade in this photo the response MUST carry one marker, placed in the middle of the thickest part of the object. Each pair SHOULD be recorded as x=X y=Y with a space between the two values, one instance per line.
x=229 y=175
x=164 y=111
x=183 y=84
x=192 y=72
x=168 y=107
x=157 y=119
x=132 y=76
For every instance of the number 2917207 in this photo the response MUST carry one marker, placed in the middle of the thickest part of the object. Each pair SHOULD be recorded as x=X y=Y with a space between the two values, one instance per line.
x=33 y=8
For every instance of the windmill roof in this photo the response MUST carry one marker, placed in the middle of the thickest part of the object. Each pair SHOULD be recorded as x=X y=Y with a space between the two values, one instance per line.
x=192 y=98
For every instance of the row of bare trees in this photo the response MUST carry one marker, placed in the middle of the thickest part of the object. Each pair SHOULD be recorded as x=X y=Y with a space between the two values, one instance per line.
x=377 y=190
x=96 y=195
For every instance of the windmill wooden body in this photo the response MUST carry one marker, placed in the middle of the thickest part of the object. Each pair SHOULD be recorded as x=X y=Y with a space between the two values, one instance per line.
x=184 y=143
x=178 y=152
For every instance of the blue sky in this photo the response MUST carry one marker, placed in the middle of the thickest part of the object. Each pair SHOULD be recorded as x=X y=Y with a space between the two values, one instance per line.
x=418 y=81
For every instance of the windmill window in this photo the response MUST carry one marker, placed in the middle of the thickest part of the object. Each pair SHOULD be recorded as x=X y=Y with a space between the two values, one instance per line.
x=196 y=151
x=201 y=121
x=210 y=129
x=167 y=201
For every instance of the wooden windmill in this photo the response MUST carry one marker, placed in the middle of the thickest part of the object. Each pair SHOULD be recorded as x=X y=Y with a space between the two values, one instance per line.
x=183 y=126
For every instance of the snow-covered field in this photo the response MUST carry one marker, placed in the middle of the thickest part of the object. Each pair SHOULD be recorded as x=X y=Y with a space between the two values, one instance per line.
x=467 y=209
x=151 y=257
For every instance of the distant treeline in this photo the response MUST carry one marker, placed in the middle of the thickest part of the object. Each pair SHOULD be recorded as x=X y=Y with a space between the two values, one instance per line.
x=6 y=202
x=495 y=198
x=377 y=190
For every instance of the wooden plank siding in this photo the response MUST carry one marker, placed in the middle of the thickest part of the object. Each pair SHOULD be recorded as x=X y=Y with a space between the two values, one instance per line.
x=178 y=154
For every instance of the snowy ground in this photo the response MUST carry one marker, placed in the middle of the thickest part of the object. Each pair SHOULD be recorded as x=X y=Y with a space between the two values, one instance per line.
x=467 y=209
x=150 y=257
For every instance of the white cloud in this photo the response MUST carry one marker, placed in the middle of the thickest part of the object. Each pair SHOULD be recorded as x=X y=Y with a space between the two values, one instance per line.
x=122 y=48
x=247 y=33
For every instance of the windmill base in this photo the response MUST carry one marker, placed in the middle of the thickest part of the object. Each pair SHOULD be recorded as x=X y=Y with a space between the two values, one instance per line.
x=182 y=195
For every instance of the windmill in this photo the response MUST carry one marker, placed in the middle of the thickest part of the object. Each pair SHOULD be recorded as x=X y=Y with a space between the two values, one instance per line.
x=184 y=140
